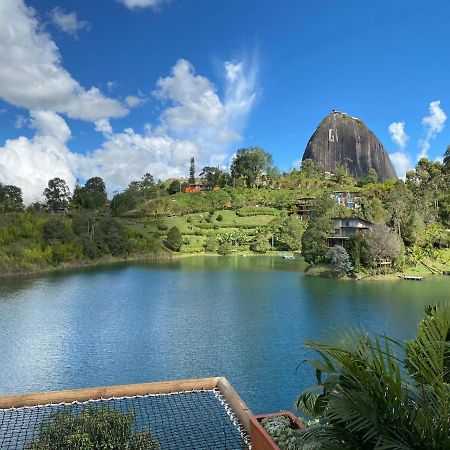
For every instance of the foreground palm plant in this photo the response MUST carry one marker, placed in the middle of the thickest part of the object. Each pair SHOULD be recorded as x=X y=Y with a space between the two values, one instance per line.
x=368 y=397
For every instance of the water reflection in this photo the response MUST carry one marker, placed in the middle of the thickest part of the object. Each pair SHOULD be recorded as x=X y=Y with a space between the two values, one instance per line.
x=241 y=317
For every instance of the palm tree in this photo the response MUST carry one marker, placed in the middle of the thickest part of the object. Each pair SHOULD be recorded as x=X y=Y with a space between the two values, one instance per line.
x=368 y=397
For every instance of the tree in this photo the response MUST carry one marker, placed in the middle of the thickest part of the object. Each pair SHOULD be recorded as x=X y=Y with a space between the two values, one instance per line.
x=211 y=244
x=148 y=181
x=288 y=231
x=370 y=397
x=122 y=202
x=111 y=237
x=174 y=187
x=319 y=229
x=447 y=160
x=260 y=243
x=57 y=195
x=372 y=176
x=94 y=428
x=383 y=243
x=225 y=248
x=90 y=196
x=357 y=249
x=174 y=239
x=96 y=190
x=373 y=209
x=251 y=164
x=10 y=198
x=213 y=176
x=398 y=201
x=192 y=171
x=308 y=168
x=339 y=257
x=55 y=231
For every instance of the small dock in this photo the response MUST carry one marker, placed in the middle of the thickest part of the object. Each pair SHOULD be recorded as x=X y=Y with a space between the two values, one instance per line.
x=411 y=278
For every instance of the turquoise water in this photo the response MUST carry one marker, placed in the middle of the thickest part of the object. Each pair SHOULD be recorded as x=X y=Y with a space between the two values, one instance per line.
x=240 y=317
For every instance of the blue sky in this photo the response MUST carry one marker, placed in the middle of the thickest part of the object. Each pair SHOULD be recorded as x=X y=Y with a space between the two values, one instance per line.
x=119 y=87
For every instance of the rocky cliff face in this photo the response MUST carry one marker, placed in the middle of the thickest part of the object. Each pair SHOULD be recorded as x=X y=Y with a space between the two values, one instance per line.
x=342 y=140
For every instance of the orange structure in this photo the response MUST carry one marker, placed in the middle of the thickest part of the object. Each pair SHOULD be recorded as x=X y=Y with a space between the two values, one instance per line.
x=199 y=187
x=194 y=187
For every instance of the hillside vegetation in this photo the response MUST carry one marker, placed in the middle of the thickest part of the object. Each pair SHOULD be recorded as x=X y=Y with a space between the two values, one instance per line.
x=253 y=209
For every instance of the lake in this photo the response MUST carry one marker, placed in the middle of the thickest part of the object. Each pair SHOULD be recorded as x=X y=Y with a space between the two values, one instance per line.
x=244 y=318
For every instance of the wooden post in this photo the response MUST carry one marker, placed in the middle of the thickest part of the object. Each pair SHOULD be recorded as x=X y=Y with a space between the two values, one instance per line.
x=239 y=408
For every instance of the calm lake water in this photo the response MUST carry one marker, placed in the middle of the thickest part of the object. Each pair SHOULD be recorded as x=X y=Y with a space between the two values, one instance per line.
x=240 y=317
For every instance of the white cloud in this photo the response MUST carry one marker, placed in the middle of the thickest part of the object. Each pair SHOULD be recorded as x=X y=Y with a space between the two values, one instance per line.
x=103 y=126
x=67 y=22
x=31 y=74
x=401 y=163
x=132 y=101
x=196 y=121
x=20 y=121
x=432 y=125
x=398 y=135
x=30 y=163
x=128 y=155
x=111 y=85
x=136 y=4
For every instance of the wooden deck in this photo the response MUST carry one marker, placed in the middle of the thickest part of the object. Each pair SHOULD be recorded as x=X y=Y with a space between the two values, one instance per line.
x=411 y=278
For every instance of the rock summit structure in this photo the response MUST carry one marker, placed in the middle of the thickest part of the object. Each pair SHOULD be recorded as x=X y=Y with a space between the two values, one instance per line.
x=343 y=140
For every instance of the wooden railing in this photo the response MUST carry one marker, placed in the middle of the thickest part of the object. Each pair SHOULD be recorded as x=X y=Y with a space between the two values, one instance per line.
x=237 y=405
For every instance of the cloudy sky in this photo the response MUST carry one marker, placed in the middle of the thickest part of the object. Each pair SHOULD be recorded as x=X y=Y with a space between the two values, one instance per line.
x=118 y=88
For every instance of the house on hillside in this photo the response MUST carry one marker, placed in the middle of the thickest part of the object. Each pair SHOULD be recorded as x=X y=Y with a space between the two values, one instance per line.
x=304 y=207
x=346 y=198
x=345 y=227
x=195 y=187
x=200 y=187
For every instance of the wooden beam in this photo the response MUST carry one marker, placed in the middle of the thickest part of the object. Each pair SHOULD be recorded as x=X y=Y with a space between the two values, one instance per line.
x=240 y=409
x=129 y=390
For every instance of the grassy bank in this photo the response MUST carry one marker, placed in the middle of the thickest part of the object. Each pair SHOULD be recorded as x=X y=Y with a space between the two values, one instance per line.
x=105 y=260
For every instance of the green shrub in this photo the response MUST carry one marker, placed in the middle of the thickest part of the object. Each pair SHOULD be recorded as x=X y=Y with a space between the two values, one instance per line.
x=256 y=211
x=225 y=248
x=92 y=429
x=219 y=218
x=282 y=432
x=55 y=230
x=211 y=244
x=174 y=239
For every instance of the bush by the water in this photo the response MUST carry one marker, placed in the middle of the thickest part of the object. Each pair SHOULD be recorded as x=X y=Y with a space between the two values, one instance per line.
x=174 y=239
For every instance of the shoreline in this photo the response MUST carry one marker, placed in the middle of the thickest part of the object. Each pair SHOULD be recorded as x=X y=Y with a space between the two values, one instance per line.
x=319 y=271
x=66 y=267
x=111 y=260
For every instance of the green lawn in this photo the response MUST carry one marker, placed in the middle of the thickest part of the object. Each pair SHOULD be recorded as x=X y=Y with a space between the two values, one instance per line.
x=195 y=228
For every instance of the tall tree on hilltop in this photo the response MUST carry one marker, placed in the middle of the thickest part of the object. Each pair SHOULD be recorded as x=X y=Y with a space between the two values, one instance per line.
x=96 y=189
x=90 y=196
x=213 y=176
x=192 y=171
x=251 y=164
x=57 y=194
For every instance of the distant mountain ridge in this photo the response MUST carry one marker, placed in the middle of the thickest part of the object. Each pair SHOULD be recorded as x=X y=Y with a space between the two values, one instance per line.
x=343 y=140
